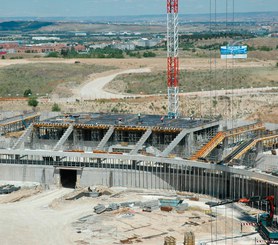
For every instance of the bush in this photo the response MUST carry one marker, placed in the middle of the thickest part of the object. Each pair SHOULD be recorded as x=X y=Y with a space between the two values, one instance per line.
x=33 y=102
x=149 y=54
x=265 y=48
x=27 y=93
x=251 y=48
x=52 y=55
x=56 y=107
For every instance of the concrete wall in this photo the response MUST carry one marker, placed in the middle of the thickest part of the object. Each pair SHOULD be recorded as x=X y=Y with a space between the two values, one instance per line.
x=32 y=173
x=86 y=177
x=122 y=177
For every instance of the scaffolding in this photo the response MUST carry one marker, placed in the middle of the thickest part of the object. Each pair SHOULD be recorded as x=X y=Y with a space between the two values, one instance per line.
x=173 y=60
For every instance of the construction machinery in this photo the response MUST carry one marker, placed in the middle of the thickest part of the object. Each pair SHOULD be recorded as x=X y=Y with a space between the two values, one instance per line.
x=266 y=226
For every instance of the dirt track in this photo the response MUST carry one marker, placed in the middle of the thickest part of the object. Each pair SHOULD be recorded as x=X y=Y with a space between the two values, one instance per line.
x=32 y=222
x=94 y=89
x=46 y=218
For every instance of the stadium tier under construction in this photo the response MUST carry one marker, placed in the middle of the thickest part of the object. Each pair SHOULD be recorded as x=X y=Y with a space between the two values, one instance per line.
x=142 y=151
x=168 y=152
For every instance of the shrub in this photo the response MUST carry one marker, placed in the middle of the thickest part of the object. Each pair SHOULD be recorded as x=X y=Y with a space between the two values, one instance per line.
x=33 y=102
x=265 y=48
x=27 y=93
x=52 y=55
x=149 y=54
x=56 y=107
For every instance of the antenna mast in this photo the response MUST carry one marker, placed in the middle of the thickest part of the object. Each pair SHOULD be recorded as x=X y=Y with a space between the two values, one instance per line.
x=173 y=60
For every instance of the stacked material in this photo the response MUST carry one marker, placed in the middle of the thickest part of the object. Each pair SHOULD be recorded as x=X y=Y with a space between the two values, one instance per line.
x=92 y=194
x=150 y=206
x=127 y=204
x=189 y=238
x=7 y=189
x=169 y=240
x=100 y=208
x=166 y=208
x=182 y=207
x=112 y=207
x=170 y=202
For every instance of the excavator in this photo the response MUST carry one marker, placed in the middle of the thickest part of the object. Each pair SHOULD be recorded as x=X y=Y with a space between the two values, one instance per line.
x=267 y=228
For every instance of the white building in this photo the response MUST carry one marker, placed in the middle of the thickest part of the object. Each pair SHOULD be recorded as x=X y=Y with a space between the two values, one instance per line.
x=147 y=43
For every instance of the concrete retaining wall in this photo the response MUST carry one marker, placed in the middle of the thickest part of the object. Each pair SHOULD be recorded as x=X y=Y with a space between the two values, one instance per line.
x=32 y=173
x=122 y=178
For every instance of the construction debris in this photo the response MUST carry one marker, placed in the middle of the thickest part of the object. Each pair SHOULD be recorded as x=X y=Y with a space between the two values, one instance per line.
x=100 y=208
x=150 y=206
x=189 y=238
x=170 y=202
x=182 y=207
x=84 y=194
x=113 y=207
x=130 y=240
x=169 y=240
x=166 y=208
x=7 y=189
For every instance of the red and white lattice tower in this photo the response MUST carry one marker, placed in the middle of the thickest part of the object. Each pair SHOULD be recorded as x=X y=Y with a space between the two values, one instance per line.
x=173 y=60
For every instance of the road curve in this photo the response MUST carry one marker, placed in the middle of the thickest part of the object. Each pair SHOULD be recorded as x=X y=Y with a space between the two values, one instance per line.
x=94 y=89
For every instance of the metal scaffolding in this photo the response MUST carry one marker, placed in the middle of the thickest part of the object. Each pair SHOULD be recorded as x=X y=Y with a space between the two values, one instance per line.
x=173 y=60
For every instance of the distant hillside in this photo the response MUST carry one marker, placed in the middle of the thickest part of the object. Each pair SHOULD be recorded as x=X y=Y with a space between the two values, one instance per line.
x=254 y=16
x=23 y=25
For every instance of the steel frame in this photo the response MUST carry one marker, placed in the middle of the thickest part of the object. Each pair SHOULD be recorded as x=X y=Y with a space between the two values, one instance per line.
x=172 y=58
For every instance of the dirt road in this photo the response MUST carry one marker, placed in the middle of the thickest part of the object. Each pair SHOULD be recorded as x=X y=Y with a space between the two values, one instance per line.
x=31 y=221
x=94 y=89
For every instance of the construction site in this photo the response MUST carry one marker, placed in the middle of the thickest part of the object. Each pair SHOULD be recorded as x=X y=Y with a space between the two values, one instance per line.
x=118 y=178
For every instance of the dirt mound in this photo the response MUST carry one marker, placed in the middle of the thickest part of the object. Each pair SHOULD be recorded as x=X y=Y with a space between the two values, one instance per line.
x=20 y=195
x=266 y=115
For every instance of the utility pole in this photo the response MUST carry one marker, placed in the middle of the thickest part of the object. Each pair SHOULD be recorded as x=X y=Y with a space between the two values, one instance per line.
x=172 y=58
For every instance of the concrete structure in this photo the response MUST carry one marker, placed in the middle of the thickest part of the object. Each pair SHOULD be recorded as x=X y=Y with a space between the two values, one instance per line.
x=146 y=43
x=115 y=150
x=18 y=123
x=74 y=169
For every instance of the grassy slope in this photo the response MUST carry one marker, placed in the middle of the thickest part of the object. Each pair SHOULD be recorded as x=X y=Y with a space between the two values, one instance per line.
x=43 y=77
x=197 y=80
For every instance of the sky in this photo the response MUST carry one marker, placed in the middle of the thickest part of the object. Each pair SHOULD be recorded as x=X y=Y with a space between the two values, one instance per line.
x=77 y=8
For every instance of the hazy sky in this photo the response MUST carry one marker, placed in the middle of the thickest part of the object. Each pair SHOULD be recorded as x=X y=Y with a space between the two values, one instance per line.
x=44 y=8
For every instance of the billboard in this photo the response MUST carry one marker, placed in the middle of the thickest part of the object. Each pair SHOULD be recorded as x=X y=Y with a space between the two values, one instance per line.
x=233 y=52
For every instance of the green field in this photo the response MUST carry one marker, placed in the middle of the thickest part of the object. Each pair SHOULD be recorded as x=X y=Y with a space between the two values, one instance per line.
x=191 y=81
x=43 y=78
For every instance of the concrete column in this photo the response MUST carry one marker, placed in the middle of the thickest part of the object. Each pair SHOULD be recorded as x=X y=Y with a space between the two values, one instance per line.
x=78 y=178
x=259 y=147
x=190 y=142
x=57 y=178
x=75 y=136
x=225 y=142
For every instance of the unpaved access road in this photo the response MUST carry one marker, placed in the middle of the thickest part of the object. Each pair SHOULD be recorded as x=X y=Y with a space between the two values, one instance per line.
x=32 y=222
x=94 y=89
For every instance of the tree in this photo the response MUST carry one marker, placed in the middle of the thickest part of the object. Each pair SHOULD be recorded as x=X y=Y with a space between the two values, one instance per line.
x=27 y=93
x=33 y=102
x=56 y=107
x=53 y=55
x=149 y=54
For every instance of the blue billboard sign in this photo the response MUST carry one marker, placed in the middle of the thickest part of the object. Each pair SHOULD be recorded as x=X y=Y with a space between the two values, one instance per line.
x=233 y=52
